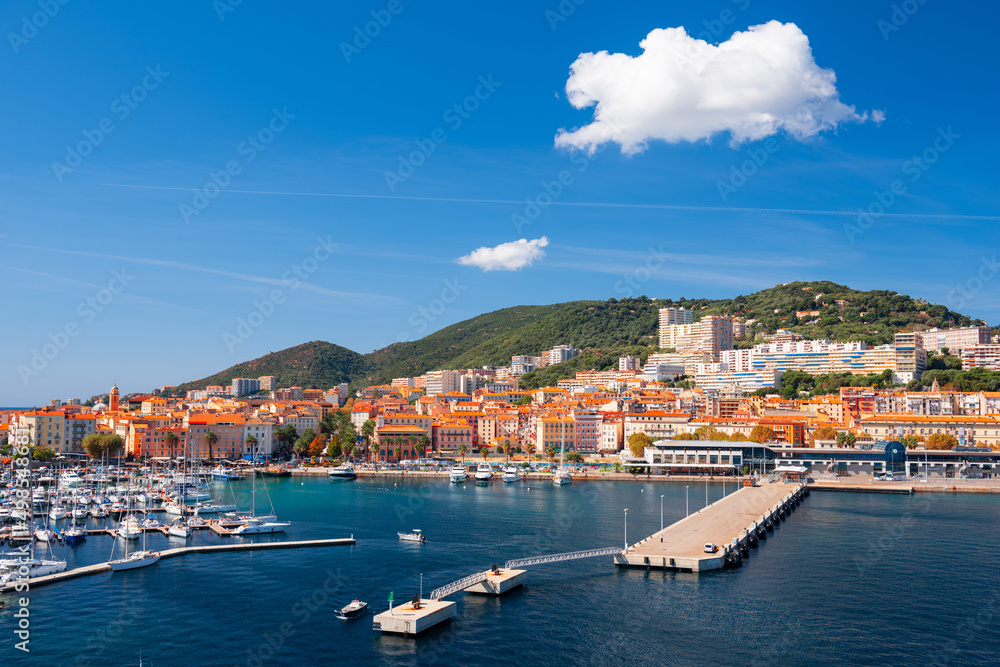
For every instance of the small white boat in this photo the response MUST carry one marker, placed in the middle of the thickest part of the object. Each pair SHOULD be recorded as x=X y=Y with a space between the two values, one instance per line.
x=258 y=527
x=343 y=472
x=415 y=536
x=224 y=472
x=213 y=508
x=44 y=535
x=79 y=512
x=179 y=528
x=175 y=509
x=562 y=477
x=130 y=529
x=458 y=473
x=510 y=474
x=152 y=522
x=484 y=473
x=353 y=610
x=99 y=512
x=135 y=560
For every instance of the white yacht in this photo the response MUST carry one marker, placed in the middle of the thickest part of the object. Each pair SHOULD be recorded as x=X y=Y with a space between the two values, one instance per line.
x=58 y=512
x=44 y=534
x=484 y=473
x=255 y=526
x=135 y=560
x=562 y=477
x=11 y=570
x=510 y=474
x=458 y=473
x=179 y=528
x=130 y=529
x=343 y=472
x=415 y=536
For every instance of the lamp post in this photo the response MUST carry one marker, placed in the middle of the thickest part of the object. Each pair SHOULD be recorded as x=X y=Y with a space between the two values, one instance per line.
x=626 y=528
x=687 y=501
x=661 y=512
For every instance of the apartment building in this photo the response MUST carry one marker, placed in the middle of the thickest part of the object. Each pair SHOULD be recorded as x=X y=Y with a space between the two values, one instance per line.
x=712 y=334
x=442 y=382
x=981 y=356
x=558 y=354
x=669 y=316
x=967 y=429
x=955 y=340
x=244 y=386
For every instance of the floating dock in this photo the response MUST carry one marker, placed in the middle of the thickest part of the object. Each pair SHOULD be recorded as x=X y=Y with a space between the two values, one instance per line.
x=181 y=551
x=408 y=620
x=498 y=583
x=732 y=524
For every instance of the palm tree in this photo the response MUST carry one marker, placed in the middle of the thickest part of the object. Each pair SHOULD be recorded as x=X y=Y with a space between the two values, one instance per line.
x=506 y=450
x=397 y=452
x=425 y=443
x=252 y=444
x=484 y=451
x=551 y=451
x=462 y=449
x=210 y=439
x=171 y=441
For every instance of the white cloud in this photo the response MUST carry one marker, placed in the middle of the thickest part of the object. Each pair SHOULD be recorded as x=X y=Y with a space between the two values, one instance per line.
x=506 y=256
x=753 y=85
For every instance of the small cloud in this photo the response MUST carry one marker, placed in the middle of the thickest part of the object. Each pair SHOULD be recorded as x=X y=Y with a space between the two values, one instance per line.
x=754 y=85
x=878 y=116
x=506 y=256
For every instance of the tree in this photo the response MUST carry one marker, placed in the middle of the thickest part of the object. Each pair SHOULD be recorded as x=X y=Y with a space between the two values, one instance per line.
x=301 y=446
x=506 y=450
x=98 y=445
x=286 y=436
x=424 y=443
x=484 y=451
x=398 y=452
x=43 y=453
x=909 y=441
x=825 y=432
x=318 y=444
x=551 y=451
x=211 y=439
x=574 y=457
x=171 y=440
x=941 y=441
x=761 y=434
x=335 y=450
x=252 y=445
x=685 y=436
x=737 y=437
x=710 y=433
x=846 y=439
x=637 y=443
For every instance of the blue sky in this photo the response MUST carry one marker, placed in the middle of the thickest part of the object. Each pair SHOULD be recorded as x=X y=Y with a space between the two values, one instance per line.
x=152 y=293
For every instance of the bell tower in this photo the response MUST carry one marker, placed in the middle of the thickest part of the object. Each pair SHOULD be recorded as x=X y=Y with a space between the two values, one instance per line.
x=114 y=399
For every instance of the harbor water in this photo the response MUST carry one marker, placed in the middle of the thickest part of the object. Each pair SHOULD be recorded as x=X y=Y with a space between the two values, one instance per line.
x=847 y=579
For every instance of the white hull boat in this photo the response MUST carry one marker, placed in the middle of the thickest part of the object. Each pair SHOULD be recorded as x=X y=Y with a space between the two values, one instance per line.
x=459 y=474
x=135 y=560
x=484 y=473
x=257 y=527
x=510 y=475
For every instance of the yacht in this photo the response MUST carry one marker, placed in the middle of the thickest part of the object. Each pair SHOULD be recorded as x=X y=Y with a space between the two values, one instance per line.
x=20 y=533
x=79 y=512
x=12 y=570
x=224 y=472
x=484 y=473
x=415 y=536
x=58 y=512
x=343 y=472
x=44 y=534
x=213 y=508
x=74 y=534
x=255 y=526
x=130 y=529
x=510 y=474
x=458 y=473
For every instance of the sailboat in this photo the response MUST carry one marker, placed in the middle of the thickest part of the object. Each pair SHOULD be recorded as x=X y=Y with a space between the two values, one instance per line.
x=561 y=476
x=136 y=559
x=26 y=566
x=254 y=525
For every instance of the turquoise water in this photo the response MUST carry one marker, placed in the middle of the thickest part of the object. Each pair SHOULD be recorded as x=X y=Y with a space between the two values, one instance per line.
x=848 y=579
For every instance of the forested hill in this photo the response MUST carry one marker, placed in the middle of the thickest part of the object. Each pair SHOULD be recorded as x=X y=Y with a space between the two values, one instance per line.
x=603 y=329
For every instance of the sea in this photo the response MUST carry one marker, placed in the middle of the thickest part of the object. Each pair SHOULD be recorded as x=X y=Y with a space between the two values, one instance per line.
x=848 y=579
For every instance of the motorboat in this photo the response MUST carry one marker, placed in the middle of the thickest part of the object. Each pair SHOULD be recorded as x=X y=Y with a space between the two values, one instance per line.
x=179 y=528
x=458 y=473
x=274 y=471
x=343 y=472
x=79 y=512
x=415 y=536
x=35 y=568
x=224 y=472
x=20 y=533
x=58 y=512
x=99 y=512
x=510 y=474
x=213 y=508
x=484 y=473
x=135 y=560
x=355 y=609
x=562 y=477
x=152 y=522
x=130 y=529
x=257 y=527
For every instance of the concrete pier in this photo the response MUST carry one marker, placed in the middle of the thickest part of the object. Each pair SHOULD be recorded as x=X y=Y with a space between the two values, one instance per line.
x=498 y=584
x=405 y=620
x=727 y=523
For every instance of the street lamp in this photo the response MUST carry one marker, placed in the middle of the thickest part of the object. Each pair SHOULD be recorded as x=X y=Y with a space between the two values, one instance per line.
x=626 y=528
x=661 y=512
x=687 y=501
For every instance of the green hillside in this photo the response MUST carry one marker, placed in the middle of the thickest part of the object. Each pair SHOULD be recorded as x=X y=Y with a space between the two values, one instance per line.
x=603 y=329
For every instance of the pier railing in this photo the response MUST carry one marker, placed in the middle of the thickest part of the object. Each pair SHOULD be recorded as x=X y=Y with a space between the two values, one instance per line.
x=459 y=585
x=557 y=558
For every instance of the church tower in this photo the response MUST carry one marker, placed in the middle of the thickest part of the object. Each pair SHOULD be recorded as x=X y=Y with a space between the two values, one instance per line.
x=114 y=399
